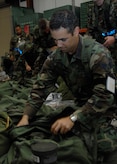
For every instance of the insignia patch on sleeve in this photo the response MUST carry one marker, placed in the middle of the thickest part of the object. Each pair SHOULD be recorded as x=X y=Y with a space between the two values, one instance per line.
x=110 y=84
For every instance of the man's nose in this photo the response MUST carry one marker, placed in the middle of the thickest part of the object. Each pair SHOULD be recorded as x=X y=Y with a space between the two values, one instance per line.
x=59 y=43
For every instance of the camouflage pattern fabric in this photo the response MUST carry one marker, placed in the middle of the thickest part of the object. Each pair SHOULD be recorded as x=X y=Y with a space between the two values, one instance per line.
x=85 y=76
x=13 y=98
x=19 y=45
x=42 y=56
x=93 y=108
x=62 y=88
x=42 y=40
x=103 y=19
x=58 y=65
x=28 y=56
x=14 y=40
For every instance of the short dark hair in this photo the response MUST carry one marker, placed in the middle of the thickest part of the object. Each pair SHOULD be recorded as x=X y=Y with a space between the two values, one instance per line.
x=64 y=18
x=42 y=24
x=17 y=25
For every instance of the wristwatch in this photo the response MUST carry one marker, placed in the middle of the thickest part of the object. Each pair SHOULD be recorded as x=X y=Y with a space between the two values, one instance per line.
x=115 y=36
x=73 y=117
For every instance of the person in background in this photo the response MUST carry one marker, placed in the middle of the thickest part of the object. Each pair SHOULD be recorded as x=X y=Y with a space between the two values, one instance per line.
x=85 y=65
x=42 y=36
x=102 y=24
x=18 y=37
x=43 y=43
x=17 y=40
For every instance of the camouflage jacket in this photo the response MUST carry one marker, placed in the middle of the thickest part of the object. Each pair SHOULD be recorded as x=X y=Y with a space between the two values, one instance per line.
x=14 y=40
x=41 y=40
x=102 y=19
x=85 y=75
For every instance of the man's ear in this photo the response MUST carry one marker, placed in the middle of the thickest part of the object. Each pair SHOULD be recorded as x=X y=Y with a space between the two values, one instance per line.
x=76 y=31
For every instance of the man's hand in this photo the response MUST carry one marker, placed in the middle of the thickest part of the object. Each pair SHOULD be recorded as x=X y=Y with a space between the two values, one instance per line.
x=109 y=40
x=62 y=125
x=28 y=68
x=24 y=121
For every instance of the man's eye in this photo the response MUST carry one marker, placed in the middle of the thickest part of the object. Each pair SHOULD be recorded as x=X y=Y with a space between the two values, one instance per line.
x=63 y=39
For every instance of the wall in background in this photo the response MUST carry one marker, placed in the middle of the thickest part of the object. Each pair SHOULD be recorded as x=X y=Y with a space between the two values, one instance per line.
x=5 y=29
x=42 y=5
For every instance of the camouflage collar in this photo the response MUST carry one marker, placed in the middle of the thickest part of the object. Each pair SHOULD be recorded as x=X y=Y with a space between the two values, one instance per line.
x=77 y=55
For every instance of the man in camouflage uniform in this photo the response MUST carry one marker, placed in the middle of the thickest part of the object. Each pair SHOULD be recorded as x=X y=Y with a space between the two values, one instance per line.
x=19 y=36
x=15 y=55
x=43 y=43
x=42 y=36
x=102 y=24
x=84 y=64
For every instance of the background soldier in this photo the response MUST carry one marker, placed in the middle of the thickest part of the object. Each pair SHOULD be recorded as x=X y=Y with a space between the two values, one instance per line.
x=44 y=44
x=42 y=36
x=14 y=56
x=102 y=24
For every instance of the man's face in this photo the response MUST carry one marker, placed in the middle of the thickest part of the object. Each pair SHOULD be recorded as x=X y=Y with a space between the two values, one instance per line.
x=18 y=30
x=67 y=42
x=98 y=2
x=46 y=31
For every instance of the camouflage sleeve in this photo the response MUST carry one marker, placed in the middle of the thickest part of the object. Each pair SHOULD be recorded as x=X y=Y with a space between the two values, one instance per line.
x=113 y=13
x=36 y=32
x=101 y=65
x=13 y=42
x=44 y=85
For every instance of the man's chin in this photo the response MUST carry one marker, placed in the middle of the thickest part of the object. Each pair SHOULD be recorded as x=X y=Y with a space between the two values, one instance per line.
x=63 y=50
